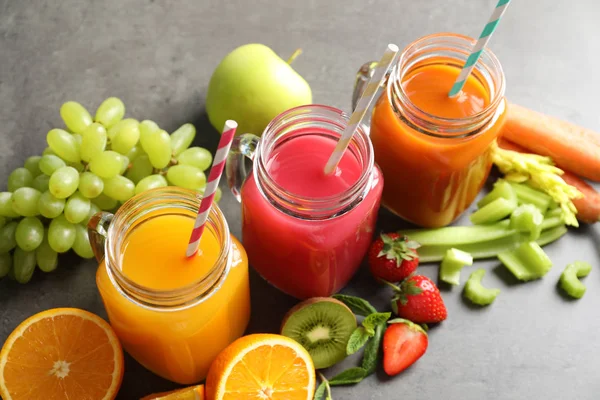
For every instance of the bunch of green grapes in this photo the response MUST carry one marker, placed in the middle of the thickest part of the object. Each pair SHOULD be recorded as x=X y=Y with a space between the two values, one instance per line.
x=94 y=164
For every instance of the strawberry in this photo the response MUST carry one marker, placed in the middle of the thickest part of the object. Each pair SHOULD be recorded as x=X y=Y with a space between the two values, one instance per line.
x=418 y=299
x=403 y=344
x=393 y=257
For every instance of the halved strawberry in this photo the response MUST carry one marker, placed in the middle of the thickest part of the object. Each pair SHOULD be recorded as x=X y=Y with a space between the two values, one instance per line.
x=403 y=343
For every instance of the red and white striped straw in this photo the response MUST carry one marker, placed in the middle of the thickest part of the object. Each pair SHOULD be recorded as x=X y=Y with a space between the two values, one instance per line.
x=216 y=170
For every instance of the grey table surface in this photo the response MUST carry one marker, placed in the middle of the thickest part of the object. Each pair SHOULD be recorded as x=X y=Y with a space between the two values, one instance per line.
x=158 y=55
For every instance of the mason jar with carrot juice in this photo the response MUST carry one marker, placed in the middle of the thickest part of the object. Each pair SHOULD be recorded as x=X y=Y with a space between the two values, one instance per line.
x=173 y=314
x=433 y=150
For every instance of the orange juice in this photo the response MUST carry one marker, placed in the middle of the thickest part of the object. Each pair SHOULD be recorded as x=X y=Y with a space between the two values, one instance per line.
x=174 y=314
x=433 y=150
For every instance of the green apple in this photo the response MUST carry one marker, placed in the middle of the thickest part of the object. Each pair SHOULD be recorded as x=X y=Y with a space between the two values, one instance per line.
x=252 y=85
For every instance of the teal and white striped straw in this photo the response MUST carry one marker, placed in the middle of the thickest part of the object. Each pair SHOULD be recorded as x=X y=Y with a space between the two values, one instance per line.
x=483 y=40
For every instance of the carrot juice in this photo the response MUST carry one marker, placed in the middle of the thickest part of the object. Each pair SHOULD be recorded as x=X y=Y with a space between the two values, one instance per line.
x=433 y=150
x=174 y=314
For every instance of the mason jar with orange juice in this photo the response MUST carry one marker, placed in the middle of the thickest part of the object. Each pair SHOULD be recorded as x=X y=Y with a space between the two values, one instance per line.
x=434 y=150
x=173 y=314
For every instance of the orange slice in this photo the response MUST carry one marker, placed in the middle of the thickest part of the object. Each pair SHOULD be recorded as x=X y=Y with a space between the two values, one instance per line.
x=189 y=393
x=262 y=367
x=63 y=353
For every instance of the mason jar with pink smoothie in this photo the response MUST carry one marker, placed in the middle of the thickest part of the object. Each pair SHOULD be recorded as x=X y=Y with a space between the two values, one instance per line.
x=306 y=232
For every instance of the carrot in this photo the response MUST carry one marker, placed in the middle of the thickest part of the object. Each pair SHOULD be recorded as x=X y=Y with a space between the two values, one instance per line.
x=575 y=148
x=588 y=208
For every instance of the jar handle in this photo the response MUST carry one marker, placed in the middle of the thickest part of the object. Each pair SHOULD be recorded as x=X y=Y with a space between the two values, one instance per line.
x=98 y=231
x=243 y=146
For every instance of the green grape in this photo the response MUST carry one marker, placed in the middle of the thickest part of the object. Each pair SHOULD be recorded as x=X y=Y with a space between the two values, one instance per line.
x=23 y=265
x=5 y=264
x=105 y=203
x=64 y=145
x=82 y=246
x=157 y=144
x=147 y=127
x=186 y=176
x=20 y=177
x=182 y=138
x=119 y=188
x=61 y=234
x=93 y=142
x=33 y=165
x=135 y=152
x=6 y=209
x=124 y=164
x=76 y=117
x=7 y=237
x=110 y=112
x=77 y=208
x=64 y=182
x=50 y=206
x=47 y=259
x=48 y=151
x=41 y=182
x=25 y=201
x=106 y=164
x=126 y=137
x=3 y=221
x=126 y=124
x=196 y=157
x=29 y=233
x=50 y=163
x=140 y=168
x=79 y=167
x=218 y=194
x=78 y=139
x=150 y=182
x=90 y=185
x=94 y=209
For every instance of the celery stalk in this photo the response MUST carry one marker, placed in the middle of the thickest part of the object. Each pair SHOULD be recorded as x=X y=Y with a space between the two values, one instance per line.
x=528 y=195
x=502 y=189
x=494 y=211
x=454 y=260
x=551 y=235
x=554 y=212
x=552 y=222
x=526 y=262
x=455 y=235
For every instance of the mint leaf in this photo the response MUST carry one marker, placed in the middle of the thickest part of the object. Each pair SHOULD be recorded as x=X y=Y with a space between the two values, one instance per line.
x=348 y=377
x=323 y=390
x=375 y=319
x=357 y=340
x=356 y=304
x=371 y=354
x=320 y=392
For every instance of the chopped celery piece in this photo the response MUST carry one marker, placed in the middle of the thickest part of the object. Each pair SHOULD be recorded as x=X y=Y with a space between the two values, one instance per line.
x=551 y=235
x=526 y=262
x=502 y=189
x=494 y=211
x=453 y=262
x=528 y=195
x=476 y=292
x=455 y=235
x=527 y=218
x=569 y=279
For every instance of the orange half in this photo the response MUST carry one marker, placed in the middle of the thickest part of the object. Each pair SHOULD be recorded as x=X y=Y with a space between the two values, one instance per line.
x=262 y=367
x=63 y=353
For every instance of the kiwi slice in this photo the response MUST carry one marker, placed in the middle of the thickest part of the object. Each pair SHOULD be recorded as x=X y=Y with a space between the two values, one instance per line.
x=322 y=325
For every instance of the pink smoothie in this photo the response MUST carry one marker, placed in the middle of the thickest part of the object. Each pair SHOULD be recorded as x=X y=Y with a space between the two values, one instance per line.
x=302 y=257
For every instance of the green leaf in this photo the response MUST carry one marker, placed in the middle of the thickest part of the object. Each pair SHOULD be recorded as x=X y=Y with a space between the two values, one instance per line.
x=357 y=340
x=320 y=392
x=375 y=319
x=323 y=390
x=348 y=377
x=356 y=304
x=371 y=353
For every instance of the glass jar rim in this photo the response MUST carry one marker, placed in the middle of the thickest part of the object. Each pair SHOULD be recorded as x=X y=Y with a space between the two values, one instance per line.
x=335 y=118
x=167 y=198
x=460 y=44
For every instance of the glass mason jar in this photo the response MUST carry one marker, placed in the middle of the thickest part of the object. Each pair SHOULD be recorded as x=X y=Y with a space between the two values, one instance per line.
x=305 y=246
x=434 y=166
x=174 y=333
